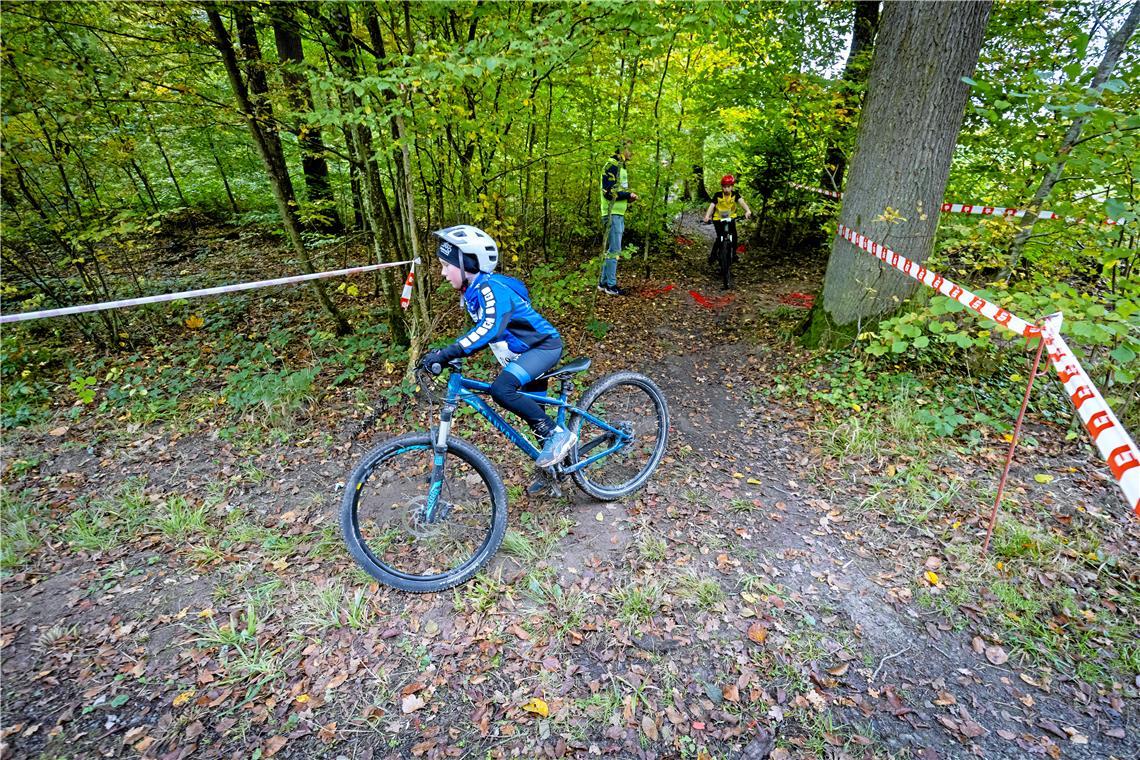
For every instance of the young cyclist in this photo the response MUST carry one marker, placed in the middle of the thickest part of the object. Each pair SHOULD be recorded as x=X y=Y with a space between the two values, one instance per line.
x=724 y=204
x=523 y=342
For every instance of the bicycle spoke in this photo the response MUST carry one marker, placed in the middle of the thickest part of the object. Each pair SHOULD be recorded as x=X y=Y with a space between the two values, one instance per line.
x=392 y=519
x=628 y=405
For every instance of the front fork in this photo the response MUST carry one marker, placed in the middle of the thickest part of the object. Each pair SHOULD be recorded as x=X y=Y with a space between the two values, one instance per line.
x=439 y=449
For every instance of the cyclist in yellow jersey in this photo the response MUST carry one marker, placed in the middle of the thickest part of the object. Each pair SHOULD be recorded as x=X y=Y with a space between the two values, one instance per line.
x=722 y=211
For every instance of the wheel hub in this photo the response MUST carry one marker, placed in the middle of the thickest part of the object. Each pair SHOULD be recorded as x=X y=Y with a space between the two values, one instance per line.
x=416 y=518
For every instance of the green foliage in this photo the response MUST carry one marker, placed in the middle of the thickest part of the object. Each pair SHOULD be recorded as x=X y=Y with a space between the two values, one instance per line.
x=556 y=290
x=25 y=396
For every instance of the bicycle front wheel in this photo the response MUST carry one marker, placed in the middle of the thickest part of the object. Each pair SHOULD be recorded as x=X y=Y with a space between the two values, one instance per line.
x=633 y=404
x=387 y=527
x=726 y=248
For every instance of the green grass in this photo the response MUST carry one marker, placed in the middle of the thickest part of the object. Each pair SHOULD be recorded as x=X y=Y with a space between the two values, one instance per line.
x=563 y=610
x=480 y=595
x=177 y=520
x=651 y=547
x=20 y=526
x=332 y=606
x=638 y=602
x=705 y=593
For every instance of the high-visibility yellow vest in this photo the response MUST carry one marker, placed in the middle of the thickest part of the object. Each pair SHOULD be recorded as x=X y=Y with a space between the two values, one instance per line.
x=614 y=207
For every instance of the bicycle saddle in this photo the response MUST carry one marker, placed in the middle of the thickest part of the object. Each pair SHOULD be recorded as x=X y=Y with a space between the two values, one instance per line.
x=571 y=368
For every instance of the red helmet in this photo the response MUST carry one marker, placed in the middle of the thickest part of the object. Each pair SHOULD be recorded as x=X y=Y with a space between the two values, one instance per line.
x=727 y=180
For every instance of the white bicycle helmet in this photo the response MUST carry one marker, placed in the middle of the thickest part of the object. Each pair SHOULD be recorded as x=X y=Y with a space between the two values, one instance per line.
x=468 y=248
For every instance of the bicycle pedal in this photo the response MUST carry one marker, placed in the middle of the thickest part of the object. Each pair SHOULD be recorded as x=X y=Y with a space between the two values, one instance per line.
x=545 y=482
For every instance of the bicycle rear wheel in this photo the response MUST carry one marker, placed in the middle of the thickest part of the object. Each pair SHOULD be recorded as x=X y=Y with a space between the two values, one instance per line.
x=383 y=514
x=632 y=403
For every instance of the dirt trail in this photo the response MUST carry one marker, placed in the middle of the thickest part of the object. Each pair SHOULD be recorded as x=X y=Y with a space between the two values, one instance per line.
x=731 y=605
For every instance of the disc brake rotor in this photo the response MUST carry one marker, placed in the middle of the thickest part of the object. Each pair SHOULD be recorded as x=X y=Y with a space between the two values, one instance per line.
x=415 y=517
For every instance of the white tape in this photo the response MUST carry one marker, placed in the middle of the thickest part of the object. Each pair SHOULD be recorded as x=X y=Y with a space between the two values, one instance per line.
x=6 y=318
x=1110 y=437
x=934 y=280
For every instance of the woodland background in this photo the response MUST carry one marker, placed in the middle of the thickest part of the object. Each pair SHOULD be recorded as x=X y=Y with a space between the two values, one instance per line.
x=157 y=147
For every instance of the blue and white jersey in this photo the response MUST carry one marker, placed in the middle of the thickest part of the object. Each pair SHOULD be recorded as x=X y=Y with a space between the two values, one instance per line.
x=501 y=309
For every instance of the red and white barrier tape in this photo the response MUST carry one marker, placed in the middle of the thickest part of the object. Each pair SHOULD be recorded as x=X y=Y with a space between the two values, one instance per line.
x=6 y=318
x=1110 y=437
x=965 y=208
x=406 y=296
x=968 y=208
x=947 y=288
x=819 y=190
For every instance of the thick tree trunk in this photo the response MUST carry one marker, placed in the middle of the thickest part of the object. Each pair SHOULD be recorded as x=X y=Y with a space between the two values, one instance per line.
x=289 y=50
x=864 y=26
x=909 y=127
x=1103 y=72
x=259 y=120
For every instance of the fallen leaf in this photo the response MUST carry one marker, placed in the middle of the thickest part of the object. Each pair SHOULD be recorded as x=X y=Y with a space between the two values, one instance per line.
x=649 y=728
x=273 y=745
x=537 y=706
x=1075 y=736
x=57 y=432
x=758 y=632
x=996 y=654
x=731 y=693
x=1043 y=478
x=327 y=734
x=195 y=322
x=183 y=698
x=411 y=703
x=945 y=698
x=931 y=577
x=839 y=669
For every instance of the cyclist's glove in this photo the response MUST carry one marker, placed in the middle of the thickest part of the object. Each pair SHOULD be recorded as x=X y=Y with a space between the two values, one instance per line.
x=434 y=361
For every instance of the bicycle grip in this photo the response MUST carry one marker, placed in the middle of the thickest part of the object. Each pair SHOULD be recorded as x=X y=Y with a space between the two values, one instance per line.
x=436 y=368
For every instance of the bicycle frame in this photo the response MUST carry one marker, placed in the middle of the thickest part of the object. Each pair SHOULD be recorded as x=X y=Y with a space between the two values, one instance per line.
x=470 y=392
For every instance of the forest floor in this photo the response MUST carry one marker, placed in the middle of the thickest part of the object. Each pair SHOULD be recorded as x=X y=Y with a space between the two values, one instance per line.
x=797 y=581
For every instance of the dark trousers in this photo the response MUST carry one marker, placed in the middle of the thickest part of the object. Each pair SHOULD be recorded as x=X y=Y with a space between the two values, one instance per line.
x=519 y=376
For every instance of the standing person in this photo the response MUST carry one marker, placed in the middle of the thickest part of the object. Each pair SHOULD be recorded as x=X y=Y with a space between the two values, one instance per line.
x=724 y=205
x=615 y=198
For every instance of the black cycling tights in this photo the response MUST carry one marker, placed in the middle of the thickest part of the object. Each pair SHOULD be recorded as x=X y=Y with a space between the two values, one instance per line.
x=507 y=386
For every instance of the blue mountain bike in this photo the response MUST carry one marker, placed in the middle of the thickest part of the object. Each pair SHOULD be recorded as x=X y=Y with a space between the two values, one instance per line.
x=424 y=511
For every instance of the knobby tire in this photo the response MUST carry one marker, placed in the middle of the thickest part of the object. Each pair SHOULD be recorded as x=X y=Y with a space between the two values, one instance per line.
x=466 y=468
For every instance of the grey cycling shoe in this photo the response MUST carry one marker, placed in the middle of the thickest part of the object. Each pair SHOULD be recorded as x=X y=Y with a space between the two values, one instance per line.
x=556 y=447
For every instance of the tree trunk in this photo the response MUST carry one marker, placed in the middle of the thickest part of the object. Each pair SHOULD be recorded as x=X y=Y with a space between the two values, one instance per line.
x=1103 y=72
x=864 y=26
x=374 y=201
x=222 y=172
x=259 y=119
x=313 y=164
x=656 y=156
x=913 y=111
x=162 y=152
